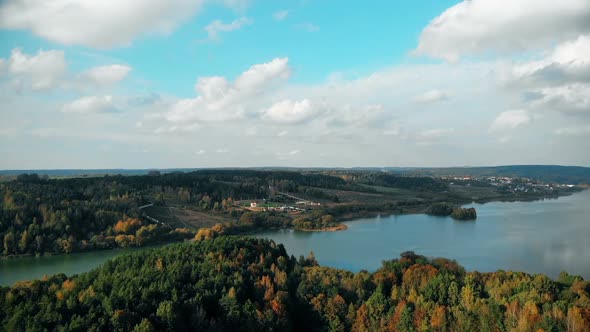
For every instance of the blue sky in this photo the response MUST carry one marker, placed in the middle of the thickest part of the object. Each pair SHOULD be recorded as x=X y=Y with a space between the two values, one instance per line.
x=382 y=33
x=293 y=83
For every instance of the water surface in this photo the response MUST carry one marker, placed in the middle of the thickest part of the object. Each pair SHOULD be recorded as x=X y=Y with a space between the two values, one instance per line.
x=31 y=267
x=547 y=236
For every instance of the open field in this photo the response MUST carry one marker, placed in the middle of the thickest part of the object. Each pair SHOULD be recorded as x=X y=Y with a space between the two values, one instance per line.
x=178 y=217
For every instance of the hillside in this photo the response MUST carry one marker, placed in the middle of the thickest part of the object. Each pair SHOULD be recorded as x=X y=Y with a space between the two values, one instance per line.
x=245 y=284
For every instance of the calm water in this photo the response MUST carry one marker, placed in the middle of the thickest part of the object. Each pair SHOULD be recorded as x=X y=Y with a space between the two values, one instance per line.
x=26 y=268
x=547 y=236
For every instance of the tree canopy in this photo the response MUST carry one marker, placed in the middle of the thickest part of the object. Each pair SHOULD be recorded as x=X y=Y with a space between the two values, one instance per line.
x=246 y=284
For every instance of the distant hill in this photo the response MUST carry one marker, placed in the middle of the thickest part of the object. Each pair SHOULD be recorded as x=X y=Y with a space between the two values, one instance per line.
x=89 y=172
x=545 y=173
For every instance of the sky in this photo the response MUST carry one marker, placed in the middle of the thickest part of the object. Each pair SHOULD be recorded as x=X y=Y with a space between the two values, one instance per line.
x=322 y=83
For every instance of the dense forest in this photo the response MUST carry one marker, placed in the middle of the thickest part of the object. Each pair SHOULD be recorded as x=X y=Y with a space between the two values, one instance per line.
x=40 y=215
x=60 y=216
x=245 y=284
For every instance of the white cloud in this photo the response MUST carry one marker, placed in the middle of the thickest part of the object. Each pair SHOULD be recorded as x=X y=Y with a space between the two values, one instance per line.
x=258 y=76
x=216 y=27
x=431 y=96
x=358 y=116
x=106 y=75
x=280 y=15
x=90 y=104
x=290 y=112
x=48 y=70
x=476 y=27
x=572 y=99
x=574 y=131
x=510 y=120
x=437 y=132
x=568 y=62
x=42 y=71
x=221 y=100
x=307 y=27
x=99 y=24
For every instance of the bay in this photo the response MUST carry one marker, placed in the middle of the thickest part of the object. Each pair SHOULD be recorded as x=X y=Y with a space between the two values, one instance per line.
x=546 y=236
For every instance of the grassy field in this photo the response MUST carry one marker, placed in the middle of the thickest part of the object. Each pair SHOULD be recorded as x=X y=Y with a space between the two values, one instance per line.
x=178 y=217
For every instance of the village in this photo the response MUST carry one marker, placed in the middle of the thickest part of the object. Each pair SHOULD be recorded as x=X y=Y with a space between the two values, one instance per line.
x=509 y=184
x=291 y=204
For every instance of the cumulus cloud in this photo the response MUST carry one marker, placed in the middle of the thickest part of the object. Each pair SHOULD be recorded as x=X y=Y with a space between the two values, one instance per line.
x=431 y=96
x=47 y=70
x=258 y=76
x=509 y=120
x=219 y=99
x=568 y=62
x=216 y=27
x=476 y=27
x=42 y=71
x=280 y=15
x=571 y=99
x=90 y=104
x=99 y=24
x=290 y=112
x=106 y=75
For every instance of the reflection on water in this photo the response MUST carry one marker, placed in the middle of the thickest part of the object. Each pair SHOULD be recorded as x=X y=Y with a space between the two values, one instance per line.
x=30 y=267
x=546 y=236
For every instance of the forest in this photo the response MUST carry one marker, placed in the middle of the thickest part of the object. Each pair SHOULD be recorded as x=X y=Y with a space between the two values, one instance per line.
x=229 y=283
x=41 y=215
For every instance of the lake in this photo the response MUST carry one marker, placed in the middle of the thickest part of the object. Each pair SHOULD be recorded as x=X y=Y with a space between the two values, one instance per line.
x=31 y=267
x=547 y=236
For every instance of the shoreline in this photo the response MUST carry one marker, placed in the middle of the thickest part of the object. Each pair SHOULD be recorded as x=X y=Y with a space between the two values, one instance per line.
x=340 y=220
x=340 y=227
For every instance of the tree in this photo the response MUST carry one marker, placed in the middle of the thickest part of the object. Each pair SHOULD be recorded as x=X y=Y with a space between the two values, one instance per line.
x=24 y=241
x=8 y=243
